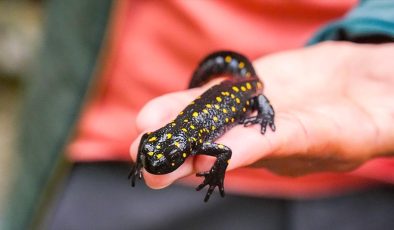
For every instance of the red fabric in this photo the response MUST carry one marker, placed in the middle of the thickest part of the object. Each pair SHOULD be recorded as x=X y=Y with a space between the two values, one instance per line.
x=152 y=49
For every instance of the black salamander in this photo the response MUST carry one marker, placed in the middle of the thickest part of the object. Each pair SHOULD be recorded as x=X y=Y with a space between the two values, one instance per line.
x=207 y=118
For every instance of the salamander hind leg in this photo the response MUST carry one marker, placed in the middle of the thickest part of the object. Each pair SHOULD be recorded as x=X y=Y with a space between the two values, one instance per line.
x=265 y=114
x=215 y=176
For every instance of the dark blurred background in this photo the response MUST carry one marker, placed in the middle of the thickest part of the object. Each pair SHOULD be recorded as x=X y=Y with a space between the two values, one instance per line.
x=20 y=36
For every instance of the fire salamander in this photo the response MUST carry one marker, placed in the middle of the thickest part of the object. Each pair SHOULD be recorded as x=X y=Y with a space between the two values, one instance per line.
x=207 y=118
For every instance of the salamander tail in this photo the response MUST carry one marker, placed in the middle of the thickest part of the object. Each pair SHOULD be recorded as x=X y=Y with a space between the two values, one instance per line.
x=220 y=63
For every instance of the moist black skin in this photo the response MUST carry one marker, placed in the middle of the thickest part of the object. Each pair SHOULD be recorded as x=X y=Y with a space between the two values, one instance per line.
x=205 y=119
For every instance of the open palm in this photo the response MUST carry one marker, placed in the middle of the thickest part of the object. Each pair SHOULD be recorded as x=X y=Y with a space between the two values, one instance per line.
x=334 y=108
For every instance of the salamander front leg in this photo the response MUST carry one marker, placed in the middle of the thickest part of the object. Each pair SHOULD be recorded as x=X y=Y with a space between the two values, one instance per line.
x=136 y=169
x=215 y=176
x=265 y=114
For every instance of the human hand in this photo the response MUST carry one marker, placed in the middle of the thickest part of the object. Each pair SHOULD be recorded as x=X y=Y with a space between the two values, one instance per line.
x=334 y=106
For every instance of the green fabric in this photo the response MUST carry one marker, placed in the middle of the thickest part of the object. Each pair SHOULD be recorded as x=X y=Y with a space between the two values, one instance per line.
x=55 y=90
x=369 y=17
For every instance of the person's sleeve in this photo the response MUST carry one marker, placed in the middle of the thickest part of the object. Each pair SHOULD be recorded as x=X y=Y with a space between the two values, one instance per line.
x=372 y=21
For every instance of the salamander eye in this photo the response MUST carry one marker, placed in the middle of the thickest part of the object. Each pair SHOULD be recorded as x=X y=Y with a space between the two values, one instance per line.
x=173 y=154
x=148 y=148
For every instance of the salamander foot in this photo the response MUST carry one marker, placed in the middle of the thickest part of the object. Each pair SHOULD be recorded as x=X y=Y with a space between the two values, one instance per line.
x=213 y=178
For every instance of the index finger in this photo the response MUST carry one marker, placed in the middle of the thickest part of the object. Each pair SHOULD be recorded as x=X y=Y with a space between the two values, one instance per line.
x=247 y=143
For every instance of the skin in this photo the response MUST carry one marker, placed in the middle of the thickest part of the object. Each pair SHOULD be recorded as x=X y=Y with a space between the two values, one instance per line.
x=334 y=105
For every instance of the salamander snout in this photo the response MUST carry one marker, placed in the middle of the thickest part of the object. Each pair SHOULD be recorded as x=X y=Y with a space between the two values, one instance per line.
x=163 y=151
x=156 y=165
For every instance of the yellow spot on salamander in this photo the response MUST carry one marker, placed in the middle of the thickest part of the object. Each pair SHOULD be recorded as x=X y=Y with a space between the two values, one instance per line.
x=235 y=88
x=259 y=85
x=172 y=164
x=169 y=135
x=248 y=85
x=176 y=144
x=232 y=119
x=232 y=96
x=158 y=146
x=181 y=113
x=247 y=102
x=205 y=111
x=173 y=124
x=152 y=139
x=213 y=127
x=217 y=106
x=200 y=141
x=215 y=118
x=159 y=156
x=194 y=139
x=241 y=65
x=195 y=114
x=186 y=120
x=220 y=146
x=218 y=99
x=233 y=109
x=224 y=110
x=227 y=59
x=184 y=155
x=226 y=119
x=208 y=106
x=184 y=130
x=192 y=103
x=150 y=153
x=192 y=127
x=237 y=100
x=243 y=88
x=244 y=109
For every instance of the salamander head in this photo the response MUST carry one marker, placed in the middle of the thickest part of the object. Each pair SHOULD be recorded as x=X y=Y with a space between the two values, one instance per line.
x=162 y=152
